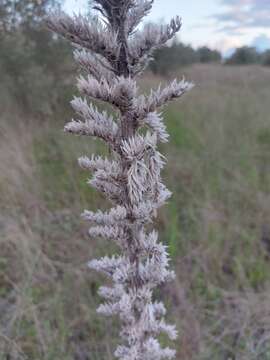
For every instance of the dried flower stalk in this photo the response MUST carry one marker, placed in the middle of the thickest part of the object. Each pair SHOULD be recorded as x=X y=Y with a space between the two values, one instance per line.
x=112 y=51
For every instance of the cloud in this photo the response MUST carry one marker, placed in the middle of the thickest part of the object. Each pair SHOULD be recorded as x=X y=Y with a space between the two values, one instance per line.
x=226 y=45
x=242 y=14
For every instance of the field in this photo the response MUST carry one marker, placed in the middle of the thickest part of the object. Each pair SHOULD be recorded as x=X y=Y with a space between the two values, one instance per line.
x=217 y=226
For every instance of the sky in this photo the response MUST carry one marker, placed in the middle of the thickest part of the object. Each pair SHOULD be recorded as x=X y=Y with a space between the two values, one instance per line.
x=219 y=24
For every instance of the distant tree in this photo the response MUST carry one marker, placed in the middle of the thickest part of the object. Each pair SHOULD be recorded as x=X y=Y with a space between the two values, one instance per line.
x=23 y=13
x=32 y=61
x=171 y=58
x=4 y=15
x=266 y=58
x=206 y=55
x=243 y=56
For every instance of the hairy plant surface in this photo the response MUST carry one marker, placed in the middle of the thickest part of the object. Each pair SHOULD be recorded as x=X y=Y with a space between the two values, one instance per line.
x=112 y=52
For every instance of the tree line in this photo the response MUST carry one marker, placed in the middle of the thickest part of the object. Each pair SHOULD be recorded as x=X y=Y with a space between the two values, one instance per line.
x=37 y=70
x=170 y=58
x=247 y=55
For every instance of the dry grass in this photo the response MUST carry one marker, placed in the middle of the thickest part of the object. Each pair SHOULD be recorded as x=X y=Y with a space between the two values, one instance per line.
x=217 y=228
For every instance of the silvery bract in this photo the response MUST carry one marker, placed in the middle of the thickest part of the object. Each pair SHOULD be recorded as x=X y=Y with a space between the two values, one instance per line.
x=112 y=51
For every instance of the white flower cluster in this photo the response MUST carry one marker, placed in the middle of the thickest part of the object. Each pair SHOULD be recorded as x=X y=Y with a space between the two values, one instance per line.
x=90 y=33
x=136 y=13
x=112 y=53
x=152 y=36
x=95 y=123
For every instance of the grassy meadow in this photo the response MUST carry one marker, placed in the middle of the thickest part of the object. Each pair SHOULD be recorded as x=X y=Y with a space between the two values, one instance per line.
x=216 y=225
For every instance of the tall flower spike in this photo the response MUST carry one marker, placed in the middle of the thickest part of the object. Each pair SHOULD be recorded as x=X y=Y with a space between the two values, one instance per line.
x=111 y=53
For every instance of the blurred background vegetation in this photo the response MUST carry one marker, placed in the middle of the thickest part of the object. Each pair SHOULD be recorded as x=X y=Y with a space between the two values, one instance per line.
x=216 y=225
